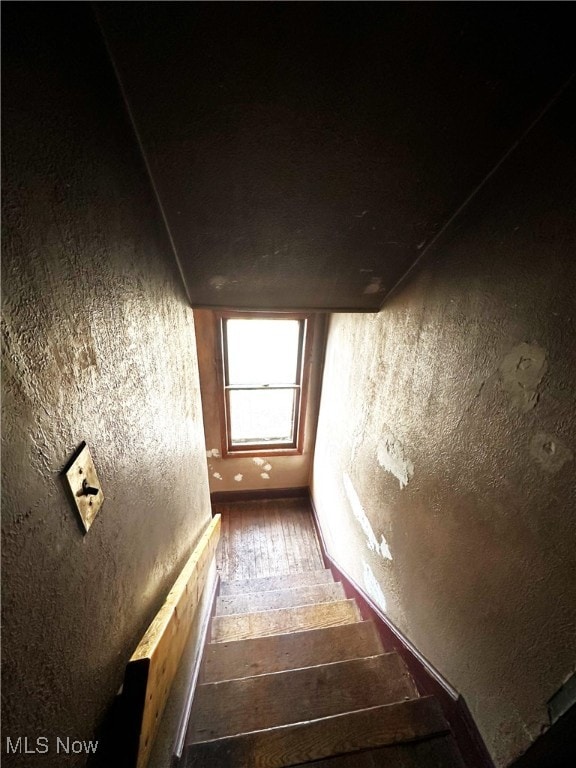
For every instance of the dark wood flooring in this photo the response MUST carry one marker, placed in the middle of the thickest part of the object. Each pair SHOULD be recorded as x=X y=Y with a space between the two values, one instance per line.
x=266 y=538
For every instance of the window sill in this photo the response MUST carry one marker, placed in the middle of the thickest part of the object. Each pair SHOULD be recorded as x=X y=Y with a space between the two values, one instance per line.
x=255 y=452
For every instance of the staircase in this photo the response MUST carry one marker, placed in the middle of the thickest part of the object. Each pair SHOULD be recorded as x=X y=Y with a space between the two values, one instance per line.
x=294 y=676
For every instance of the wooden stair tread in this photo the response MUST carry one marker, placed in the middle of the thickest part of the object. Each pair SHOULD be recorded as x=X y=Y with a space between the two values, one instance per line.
x=437 y=752
x=250 y=602
x=238 y=586
x=246 y=625
x=254 y=703
x=321 y=738
x=276 y=653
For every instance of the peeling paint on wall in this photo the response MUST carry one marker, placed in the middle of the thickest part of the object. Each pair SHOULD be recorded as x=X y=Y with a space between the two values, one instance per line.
x=258 y=462
x=213 y=453
x=373 y=587
x=391 y=458
x=361 y=516
x=521 y=371
x=217 y=475
x=265 y=475
x=267 y=467
x=238 y=478
x=550 y=452
x=384 y=548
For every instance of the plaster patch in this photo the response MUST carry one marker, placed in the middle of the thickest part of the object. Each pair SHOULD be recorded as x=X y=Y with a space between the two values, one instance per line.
x=213 y=453
x=218 y=282
x=265 y=475
x=391 y=458
x=267 y=467
x=549 y=452
x=258 y=462
x=217 y=475
x=362 y=517
x=373 y=587
x=374 y=286
x=521 y=371
x=238 y=478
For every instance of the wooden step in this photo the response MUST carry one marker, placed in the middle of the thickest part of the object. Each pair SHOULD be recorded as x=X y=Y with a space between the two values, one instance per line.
x=262 y=655
x=245 y=625
x=437 y=752
x=235 y=587
x=254 y=703
x=250 y=602
x=321 y=738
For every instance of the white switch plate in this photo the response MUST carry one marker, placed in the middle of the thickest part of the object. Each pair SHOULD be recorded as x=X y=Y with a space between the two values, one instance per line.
x=79 y=475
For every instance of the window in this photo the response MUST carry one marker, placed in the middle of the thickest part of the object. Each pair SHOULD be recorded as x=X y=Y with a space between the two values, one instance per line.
x=264 y=381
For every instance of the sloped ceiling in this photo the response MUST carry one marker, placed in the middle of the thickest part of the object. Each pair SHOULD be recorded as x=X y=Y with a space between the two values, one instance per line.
x=305 y=154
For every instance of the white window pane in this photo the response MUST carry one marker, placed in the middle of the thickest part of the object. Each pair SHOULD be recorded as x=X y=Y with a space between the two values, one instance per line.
x=258 y=416
x=262 y=351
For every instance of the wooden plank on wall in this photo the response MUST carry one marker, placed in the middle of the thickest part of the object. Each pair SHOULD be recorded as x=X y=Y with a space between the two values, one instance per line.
x=153 y=665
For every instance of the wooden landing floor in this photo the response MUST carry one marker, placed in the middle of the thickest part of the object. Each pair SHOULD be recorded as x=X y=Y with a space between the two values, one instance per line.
x=266 y=538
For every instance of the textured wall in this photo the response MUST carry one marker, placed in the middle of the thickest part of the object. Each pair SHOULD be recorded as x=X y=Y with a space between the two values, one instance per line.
x=444 y=467
x=242 y=473
x=98 y=346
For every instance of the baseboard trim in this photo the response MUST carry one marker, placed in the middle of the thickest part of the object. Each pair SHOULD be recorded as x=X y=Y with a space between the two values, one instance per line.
x=259 y=494
x=205 y=624
x=427 y=678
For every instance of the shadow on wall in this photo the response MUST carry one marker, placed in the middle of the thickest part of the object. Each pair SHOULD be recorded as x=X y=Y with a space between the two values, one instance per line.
x=98 y=346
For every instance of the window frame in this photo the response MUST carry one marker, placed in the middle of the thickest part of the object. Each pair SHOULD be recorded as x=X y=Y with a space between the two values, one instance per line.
x=296 y=447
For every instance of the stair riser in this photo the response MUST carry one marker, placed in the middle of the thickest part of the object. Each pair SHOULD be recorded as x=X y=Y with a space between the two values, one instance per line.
x=284 y=598
x=243 y=658
x=266 y=583
x=320 y=739
x=263 y=624
x=238 y=706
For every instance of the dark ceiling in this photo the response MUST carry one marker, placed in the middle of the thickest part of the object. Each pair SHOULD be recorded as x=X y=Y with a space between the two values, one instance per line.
x=305 y=154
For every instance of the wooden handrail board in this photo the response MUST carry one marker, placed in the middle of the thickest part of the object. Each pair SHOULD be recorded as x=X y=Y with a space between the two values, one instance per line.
x=153 y=665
